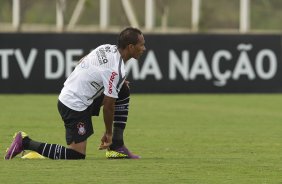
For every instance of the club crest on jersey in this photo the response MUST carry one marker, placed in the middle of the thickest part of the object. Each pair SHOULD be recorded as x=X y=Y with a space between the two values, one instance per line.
x=111 y=82
x=81 y=128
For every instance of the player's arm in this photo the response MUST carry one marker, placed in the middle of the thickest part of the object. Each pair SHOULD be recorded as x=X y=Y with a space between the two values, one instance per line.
x=108 y=112
x=110 y=82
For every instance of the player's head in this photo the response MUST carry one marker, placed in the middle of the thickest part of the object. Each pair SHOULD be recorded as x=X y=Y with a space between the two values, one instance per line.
x=132 y=40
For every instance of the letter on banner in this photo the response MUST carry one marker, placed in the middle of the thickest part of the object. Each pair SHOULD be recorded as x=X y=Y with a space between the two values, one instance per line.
x=200 y=67
x=175 y=64
x=266 y=53
x=4 y=54
x=151 y=67
x=26 y=66
x=59 y=58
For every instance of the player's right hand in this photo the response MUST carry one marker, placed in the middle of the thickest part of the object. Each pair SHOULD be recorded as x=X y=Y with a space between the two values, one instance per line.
x=106 y=141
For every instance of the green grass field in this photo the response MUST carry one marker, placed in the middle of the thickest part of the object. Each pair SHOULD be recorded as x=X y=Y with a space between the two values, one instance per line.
x=181 y=138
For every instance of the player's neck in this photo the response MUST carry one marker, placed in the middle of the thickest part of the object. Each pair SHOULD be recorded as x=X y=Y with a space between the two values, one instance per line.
x=124 y=55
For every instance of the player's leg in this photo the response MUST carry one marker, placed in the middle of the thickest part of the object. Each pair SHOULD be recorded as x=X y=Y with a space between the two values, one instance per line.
x=78 y=128
x=56 y=151
x=117 y=149
x=120 y=117
x=22 y=142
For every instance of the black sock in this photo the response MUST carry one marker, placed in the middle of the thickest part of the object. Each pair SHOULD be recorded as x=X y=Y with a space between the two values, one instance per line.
x=29 y=144
x=118 y=136
x=52 y=151
x=56 y=151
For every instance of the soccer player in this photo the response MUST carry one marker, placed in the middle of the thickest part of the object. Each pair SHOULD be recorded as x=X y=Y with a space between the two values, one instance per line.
x=98 y=80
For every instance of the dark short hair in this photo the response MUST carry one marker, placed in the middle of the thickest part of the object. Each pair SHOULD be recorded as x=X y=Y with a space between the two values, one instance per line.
x=128 y=36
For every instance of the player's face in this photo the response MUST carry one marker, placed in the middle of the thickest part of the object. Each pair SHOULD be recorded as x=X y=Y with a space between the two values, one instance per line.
x=139 y=48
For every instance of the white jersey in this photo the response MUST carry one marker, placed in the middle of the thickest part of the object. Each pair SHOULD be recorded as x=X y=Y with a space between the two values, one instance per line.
x=102 y=70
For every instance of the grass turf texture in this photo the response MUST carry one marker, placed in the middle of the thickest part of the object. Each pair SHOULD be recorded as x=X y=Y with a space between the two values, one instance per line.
x=181 y=138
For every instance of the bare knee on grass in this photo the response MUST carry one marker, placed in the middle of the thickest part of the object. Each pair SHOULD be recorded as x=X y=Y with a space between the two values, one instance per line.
x=79 y=147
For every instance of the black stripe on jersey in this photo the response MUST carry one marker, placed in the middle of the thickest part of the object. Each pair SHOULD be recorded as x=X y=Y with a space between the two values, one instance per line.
x=121 y=79
x=96 y=94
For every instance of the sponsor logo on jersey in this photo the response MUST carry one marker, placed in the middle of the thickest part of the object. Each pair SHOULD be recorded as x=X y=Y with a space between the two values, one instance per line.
x=102 y=57
x=81 y=128
x=111 y=82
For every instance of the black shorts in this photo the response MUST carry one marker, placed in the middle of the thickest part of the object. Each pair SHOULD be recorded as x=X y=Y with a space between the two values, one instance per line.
x=78 y=124
x=96 y=105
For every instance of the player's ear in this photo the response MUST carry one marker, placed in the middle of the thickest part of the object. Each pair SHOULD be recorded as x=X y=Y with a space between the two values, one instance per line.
x=131 y=46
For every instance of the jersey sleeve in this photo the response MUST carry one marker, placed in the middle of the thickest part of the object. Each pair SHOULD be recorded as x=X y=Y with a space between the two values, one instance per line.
x=110 y=81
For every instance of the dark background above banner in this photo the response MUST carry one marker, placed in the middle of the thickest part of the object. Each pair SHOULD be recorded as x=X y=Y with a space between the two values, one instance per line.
x=40 y=63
